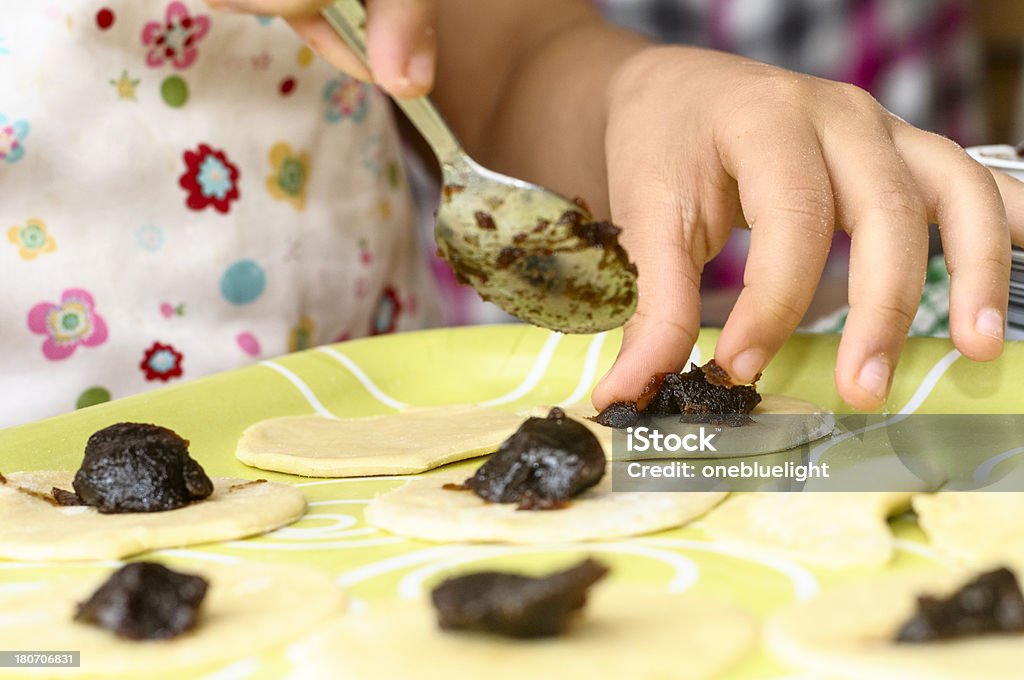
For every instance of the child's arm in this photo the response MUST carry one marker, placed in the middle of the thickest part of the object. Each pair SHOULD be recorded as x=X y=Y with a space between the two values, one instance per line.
x=680 y=144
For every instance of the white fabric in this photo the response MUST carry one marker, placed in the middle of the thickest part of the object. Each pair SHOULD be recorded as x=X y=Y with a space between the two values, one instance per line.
x=94 y=146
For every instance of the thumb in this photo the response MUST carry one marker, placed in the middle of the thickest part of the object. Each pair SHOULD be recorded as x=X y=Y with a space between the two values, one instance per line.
x=401 y=39
x=402 y=43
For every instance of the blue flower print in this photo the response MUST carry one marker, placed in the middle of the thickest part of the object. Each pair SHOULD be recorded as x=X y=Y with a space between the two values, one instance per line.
x=214 y=178
x=346 y=98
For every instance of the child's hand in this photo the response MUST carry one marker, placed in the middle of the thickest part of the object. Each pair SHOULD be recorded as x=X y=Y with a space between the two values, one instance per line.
x=684 y=145
x=400 y=38
x=698 y=142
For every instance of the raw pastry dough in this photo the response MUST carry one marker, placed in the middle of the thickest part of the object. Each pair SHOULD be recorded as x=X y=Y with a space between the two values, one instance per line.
x=33 y=529
x=846 y=633
x=421 y=509
x=397 y=444
x=977 y=529
x=824 y=529
x=624 y=631
x=248 y=609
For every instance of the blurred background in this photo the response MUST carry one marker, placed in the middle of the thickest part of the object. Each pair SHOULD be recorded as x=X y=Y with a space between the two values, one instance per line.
x=1000 y=27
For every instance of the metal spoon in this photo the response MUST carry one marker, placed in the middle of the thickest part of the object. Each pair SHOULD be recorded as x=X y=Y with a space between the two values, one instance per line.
x=535 y=254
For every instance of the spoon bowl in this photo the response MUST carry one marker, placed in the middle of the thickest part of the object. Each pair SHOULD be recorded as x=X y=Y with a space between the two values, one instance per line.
x=534 y=253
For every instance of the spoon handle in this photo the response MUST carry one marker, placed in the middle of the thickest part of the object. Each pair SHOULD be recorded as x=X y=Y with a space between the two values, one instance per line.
x=348 y=19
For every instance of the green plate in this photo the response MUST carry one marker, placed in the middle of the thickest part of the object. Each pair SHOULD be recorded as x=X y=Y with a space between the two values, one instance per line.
x=513 y=367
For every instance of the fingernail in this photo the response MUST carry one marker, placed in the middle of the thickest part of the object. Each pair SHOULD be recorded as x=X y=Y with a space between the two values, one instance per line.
x=990 y=322
x=420 y=69
x=874 y=377
x=747 y=365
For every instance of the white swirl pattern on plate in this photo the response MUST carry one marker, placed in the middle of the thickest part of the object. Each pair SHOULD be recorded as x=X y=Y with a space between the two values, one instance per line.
x=589 y=371
x=984 y=471
x=922 y=392
x=364 y=380
x=533 y=376
x=302 y=387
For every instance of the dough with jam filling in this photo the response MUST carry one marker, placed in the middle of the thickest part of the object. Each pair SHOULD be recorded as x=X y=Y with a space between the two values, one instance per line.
x=33 y=528
x=974 y=528
x=848 y=633
x=624 y=631
x=248 y=609
x=421 y=509
x=827 y=529
x=401 y=443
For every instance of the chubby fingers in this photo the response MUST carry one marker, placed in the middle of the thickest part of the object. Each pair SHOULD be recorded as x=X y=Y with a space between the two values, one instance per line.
x=318 y=34
x=786 y=199
x=400 y=39
x=972 y=218
x=402 y=44
x=878 y=202
x=888 y=226
x=1012 y=191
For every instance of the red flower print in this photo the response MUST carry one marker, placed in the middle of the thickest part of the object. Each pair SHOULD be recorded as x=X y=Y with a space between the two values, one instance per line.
x=210 y=179
x=175 y=39
x=385 y=316
x=161 y=362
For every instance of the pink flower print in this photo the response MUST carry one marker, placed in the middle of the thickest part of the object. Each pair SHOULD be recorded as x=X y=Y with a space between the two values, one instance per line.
x=175 y=39
x=12 y=139
x=67 y=324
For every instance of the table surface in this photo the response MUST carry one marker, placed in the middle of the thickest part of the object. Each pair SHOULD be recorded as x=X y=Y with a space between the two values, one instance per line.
x=512 y=367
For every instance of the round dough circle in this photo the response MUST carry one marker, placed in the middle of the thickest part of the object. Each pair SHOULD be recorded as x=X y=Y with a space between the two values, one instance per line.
x=248 y=609
x=847 y=633
x=975 y=529
x=624 y=631
x=402 y=443
x=423 y=510
x=33 y=529
x=836 y=530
